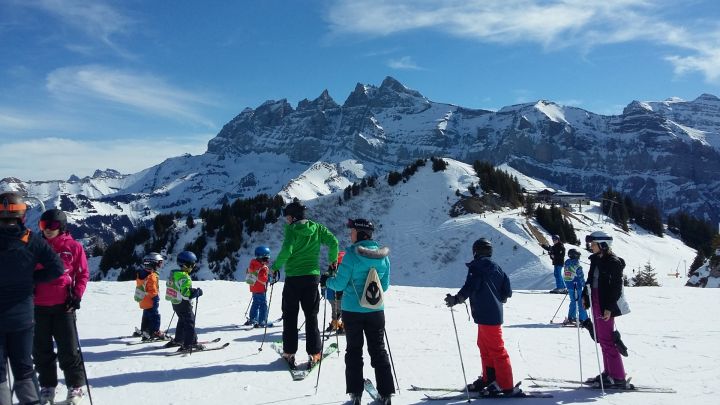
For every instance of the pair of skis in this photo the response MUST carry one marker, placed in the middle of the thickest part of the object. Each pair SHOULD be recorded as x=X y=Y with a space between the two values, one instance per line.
x=566 y=383
x=460 y=393
x=206 y=349
x=304 y=369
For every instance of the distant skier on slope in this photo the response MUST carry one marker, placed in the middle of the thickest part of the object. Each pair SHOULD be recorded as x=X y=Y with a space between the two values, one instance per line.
x=557 y=254
x=55 y=306
x=146 y=294
x=488 y=288
x=574 y=281
x=180 y=293
x=257 y=275
x=20 y=252
x=605 y=283
x=362 y=315
x=299 y=255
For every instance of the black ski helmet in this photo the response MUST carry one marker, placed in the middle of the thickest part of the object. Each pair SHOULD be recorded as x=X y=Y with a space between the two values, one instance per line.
x=12 y=206
x=482 y=247
x=54 y=215
x=573 y=254
x=295 y=210
x=363 y=227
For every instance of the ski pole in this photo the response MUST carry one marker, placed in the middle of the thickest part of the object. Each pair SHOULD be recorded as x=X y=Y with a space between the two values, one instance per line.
x=272 y=287
x=82 y=358
x=248 y=308
x=558 y=308
x=322 y=344
x=577 y=317
x=9 y=381
x=597 y=354
x=303 y=324
x=195 y=322
x=170 y=324
x=392 y=363
x=462 y=364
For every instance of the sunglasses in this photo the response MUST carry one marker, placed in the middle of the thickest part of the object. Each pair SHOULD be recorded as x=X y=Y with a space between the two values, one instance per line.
x=51 y=225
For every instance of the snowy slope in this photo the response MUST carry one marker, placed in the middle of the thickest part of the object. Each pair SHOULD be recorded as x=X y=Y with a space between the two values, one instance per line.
x=667 y=348
x=429 y=248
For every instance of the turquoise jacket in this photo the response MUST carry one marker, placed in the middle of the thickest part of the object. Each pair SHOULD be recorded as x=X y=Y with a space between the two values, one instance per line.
x=354 y=269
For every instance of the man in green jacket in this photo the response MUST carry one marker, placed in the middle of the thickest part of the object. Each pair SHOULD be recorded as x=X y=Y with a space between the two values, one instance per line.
x=299 y=255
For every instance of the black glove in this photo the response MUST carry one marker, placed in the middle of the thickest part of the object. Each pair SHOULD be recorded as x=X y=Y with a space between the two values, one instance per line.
x=196 y=292
x=586 y=301
x=72 y=304
x=323 y=279
x=452 y=300
x=332 y=269
x=274 y=277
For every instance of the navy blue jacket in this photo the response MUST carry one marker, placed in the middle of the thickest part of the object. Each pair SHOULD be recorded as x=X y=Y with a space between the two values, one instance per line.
x=20 y=252
x=488 y=287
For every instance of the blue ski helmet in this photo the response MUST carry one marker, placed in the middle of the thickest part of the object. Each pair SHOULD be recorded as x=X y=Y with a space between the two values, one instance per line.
x=262 y=251
x=556 y=237
x=187 y=258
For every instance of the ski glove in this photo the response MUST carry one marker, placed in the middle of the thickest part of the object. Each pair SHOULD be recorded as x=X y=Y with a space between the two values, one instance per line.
x=275 y=277
x=72 y=304
x=452 y=300
x=323 y=279
x=196 y=292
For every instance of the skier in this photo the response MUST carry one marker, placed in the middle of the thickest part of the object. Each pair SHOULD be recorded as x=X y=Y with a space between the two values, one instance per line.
x=257 y=277
x=299 y=255
x=146 y=294
x=335 y=298
x=363 y=255
x=20 y=252
x=55 y=306
x=605 y=284
x=488 y=288
x=574 y=280
x=557 y=254
x=180 y=293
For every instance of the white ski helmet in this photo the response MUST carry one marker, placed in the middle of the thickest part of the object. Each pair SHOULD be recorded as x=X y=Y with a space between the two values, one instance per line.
x=601 y=238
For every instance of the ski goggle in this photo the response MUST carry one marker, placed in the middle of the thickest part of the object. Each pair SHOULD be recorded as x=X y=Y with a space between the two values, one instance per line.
x=51 y=225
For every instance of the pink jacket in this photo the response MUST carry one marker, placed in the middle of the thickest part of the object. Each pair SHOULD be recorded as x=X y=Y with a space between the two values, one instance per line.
x=75 y=277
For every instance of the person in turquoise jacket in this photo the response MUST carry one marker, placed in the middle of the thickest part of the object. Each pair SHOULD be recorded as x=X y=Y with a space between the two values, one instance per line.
x=361 y=315
x=300 y=256
x=574 y=281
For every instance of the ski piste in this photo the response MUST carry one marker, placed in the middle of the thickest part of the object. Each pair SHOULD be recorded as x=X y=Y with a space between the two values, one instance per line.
x=562 y=383
x=301 y=371
x=207 y=349
x=459 y=394
x=371 y=390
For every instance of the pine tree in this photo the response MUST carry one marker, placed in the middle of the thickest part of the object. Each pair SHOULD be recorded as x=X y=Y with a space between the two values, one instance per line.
x=645 y=277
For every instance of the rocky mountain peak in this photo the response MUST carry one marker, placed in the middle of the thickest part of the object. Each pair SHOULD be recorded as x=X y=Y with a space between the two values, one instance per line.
x=322 y=102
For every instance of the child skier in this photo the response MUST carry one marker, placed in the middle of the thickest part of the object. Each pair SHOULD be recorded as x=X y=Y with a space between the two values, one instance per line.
x=574 y=281
x=335 y=298
x=179 y=292
x=257 y=276
x=146 y=295
x=488 y=288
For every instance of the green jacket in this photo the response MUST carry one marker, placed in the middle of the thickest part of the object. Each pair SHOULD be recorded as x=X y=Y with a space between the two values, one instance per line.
x=178 y=286
x=301 y=248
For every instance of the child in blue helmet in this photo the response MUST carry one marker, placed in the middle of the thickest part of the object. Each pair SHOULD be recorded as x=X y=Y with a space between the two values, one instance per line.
x=257 y=276
x=574 y=281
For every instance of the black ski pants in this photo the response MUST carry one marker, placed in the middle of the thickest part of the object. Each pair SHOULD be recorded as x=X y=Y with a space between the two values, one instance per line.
x=372 y=326
x=16 y=346
x=55 y=323
x=185 y=329
x=301 y=291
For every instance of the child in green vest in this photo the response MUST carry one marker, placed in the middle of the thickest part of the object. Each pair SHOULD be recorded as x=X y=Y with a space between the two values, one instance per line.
x=180 y=293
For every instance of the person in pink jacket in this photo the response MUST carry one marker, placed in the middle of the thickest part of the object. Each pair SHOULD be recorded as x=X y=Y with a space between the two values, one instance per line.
x=55 y=306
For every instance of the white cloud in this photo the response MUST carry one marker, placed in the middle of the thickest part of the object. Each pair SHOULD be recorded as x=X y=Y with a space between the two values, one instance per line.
x=15 y=121
x=553 y=24
x=98 y=20
x=403 y=63
x=58 y=158
x=141 y=92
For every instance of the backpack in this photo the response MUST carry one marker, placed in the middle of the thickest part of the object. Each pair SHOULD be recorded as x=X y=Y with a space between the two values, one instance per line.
x=372 y=293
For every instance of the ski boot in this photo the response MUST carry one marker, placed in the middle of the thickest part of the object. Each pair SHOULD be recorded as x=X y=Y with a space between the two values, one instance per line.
x=74 y=395
x=172 y=343
x=314 y=359
x=290 y=358
x=47 y=395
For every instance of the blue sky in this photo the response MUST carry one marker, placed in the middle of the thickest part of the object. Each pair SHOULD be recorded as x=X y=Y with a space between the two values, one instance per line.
x=126 y=84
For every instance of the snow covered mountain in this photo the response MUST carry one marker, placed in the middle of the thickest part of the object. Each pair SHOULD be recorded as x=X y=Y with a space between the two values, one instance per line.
x=662 y=152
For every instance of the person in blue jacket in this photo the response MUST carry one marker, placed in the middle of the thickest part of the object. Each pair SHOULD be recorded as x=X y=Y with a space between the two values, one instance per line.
x=360 y=259
x=488 y=288
x=574 y=282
